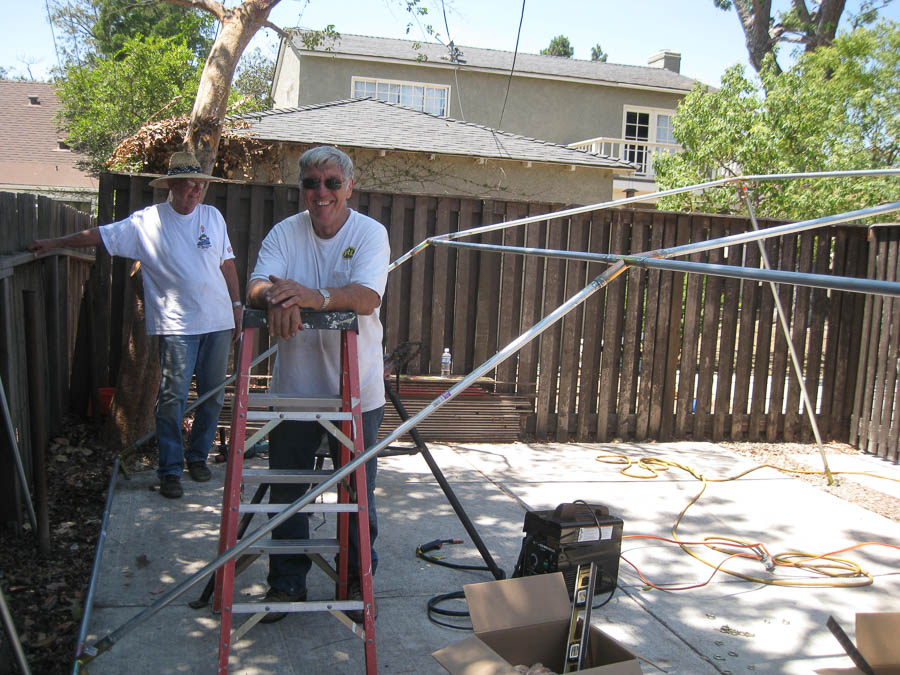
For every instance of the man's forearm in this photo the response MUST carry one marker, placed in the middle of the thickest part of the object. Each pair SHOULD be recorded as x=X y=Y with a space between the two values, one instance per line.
x=81 y=239
x=256 y=293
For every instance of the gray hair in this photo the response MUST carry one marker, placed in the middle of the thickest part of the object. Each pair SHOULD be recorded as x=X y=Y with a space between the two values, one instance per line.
x=324 y=155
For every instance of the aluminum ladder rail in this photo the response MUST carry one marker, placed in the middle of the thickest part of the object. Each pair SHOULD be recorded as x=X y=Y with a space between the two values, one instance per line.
x=346 y=409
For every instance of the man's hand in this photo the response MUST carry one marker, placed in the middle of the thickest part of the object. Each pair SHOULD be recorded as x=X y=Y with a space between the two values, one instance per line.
x=288 y=293
x=284 y=322
x=41 y=246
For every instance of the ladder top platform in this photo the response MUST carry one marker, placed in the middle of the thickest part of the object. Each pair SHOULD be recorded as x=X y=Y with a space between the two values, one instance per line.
x=311 y=320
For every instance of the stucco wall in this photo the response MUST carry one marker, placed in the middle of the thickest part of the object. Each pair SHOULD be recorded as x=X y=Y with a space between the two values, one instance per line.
x=552 y=110
x=414 y=173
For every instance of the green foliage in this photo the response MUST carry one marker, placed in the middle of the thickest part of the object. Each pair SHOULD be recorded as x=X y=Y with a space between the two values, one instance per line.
x=119 y=20
x=95 y=28
x=597 y=53
x=315 y=39
x=559 y=46
x=837 y=108
x=253 y=82
x=109 y=98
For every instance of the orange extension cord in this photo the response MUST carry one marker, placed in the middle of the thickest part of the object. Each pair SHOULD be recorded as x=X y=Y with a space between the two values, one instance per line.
x=826 y=564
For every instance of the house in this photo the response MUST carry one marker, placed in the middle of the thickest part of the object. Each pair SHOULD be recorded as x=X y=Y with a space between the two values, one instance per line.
x=34 y=157
x=401 y=150
x=622 y=111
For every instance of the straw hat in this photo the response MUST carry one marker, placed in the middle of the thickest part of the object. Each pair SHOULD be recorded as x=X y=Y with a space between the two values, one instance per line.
x=182 y=165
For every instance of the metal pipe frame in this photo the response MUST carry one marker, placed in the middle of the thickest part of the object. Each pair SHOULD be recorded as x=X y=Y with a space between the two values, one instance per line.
x=642 y=198
x=20 y=469
x=95 y=571
x=107 y=642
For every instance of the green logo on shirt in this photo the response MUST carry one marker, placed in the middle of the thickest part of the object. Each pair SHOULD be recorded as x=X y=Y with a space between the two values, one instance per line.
x=348 y=253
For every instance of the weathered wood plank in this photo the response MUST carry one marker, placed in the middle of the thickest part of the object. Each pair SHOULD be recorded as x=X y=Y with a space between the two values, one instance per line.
x=775 y=416
x=709 y=337
x=594 y=317
x=554 y=271
x=626 y=409
x=419 y=311
x=647 y=392
x=691 y=335
x=611 y=349
x=727 y=340
x=510 y=297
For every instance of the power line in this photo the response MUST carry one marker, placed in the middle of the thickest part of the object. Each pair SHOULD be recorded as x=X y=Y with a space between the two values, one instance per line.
x=513 y=68
x=52 y=34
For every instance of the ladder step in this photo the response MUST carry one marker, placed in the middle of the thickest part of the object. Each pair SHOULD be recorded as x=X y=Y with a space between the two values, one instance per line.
x=285 y=476
x=310 y=508
x=286 y=401
x=307 y=546
x=320 y=606
x=305 y=416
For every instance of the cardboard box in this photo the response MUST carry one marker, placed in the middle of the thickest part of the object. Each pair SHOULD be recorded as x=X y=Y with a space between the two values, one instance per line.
x=877 y=640
x=526 y=621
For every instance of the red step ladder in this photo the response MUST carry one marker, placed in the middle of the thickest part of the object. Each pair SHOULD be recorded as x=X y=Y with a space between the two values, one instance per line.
x=352 y=496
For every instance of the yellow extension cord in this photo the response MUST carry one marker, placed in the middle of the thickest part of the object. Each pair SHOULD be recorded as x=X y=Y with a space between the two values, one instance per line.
x=829 y=565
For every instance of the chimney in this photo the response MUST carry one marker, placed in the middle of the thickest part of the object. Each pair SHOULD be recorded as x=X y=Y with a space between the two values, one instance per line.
x=666 y=59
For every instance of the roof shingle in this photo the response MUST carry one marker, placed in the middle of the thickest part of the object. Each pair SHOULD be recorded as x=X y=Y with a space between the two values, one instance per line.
x=370 y=123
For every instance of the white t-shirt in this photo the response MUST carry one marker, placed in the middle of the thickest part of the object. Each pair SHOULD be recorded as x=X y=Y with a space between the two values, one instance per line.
x=309 y=364
x=181 y=259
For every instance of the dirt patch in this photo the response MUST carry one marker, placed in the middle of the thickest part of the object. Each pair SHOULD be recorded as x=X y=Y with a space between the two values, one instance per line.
x=780 y=455
x=46 y=593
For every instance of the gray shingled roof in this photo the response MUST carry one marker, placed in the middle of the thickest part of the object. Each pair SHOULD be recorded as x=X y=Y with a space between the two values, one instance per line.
x=369 y=123
x=376 y=48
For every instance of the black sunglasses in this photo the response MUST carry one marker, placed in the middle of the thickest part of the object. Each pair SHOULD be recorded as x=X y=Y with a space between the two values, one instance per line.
x=330 y=183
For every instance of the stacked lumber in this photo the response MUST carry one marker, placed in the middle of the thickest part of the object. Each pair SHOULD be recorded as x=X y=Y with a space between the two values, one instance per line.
x=476 y=415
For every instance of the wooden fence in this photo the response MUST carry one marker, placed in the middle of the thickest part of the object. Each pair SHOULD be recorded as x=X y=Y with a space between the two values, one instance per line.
x=875 y=423
x=41 y=318
x=656 y=355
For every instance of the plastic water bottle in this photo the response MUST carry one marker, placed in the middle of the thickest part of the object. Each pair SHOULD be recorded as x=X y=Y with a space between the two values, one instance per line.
x=446 y=359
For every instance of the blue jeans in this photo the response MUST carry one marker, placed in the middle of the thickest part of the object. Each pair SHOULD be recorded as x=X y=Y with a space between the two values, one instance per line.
x=181 y=357
x=293 y=445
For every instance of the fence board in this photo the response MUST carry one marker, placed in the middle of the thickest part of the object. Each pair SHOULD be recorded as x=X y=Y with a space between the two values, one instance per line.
x=572 y=325
x=775 y=415
x=799 y=331
x=725 y=368
x=440 y=288
x=763 y=354
x=510 y=298
x=709 y=337
x=611 y=348
x=488 y=289
x=691 y=335
x=647 y=392
x=594 y=318
x=419 y=312
x=533 y=275
x=626 y=422
x=548 y=379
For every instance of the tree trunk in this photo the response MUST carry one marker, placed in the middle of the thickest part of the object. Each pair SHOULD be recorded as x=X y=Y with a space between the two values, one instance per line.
x=238 y=26
x=132 y=412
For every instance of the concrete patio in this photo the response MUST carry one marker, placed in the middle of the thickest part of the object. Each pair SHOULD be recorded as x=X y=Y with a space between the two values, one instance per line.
x=726 y=626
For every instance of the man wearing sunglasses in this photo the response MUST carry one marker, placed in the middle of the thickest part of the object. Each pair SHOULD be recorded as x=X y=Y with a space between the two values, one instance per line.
x=326 y=257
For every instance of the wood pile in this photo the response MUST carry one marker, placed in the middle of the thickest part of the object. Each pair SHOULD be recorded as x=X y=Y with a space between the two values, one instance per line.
x=240 y=156
x=477 y=415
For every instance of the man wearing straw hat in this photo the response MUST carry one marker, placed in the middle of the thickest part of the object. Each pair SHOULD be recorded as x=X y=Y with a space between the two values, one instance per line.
x=191 y=300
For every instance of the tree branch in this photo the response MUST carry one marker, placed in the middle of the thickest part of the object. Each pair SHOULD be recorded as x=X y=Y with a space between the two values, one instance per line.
x=217 y=9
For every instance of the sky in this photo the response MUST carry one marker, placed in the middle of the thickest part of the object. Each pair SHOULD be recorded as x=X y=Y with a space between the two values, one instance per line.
x=709 y=40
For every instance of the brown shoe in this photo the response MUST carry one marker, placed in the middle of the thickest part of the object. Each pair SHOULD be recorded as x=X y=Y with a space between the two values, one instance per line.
x=200 y=473
x=170 y=486
x=276 y=595
x=354 y=592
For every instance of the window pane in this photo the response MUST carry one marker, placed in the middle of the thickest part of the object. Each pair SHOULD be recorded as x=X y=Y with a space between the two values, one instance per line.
x=637 y=126
x=664 y=129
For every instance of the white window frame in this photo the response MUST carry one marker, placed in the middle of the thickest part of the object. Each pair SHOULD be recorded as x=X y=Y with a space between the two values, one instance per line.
x=408 y=83
x=642 y=152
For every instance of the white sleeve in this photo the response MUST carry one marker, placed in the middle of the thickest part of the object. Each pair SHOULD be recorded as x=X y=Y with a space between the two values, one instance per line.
x=227 y=253
x=370 y=264
x=121 y=238
x=272 y=258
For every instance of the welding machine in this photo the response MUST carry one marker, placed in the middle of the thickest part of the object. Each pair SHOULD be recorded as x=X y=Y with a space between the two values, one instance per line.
x=568 y=536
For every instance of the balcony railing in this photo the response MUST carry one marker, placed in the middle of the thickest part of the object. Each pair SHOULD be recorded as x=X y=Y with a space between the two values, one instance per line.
x=640 y=153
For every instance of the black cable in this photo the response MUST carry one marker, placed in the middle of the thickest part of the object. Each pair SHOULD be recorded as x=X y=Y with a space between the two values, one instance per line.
x=433 y=608
x=513 y=68
x=421 y=552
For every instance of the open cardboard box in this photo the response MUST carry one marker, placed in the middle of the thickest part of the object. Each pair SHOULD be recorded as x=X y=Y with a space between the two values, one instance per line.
x=525 y=621
x=878 y=640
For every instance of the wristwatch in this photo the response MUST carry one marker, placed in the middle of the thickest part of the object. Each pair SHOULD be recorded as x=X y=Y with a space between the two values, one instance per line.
x=237 y=303
x=326 y=298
